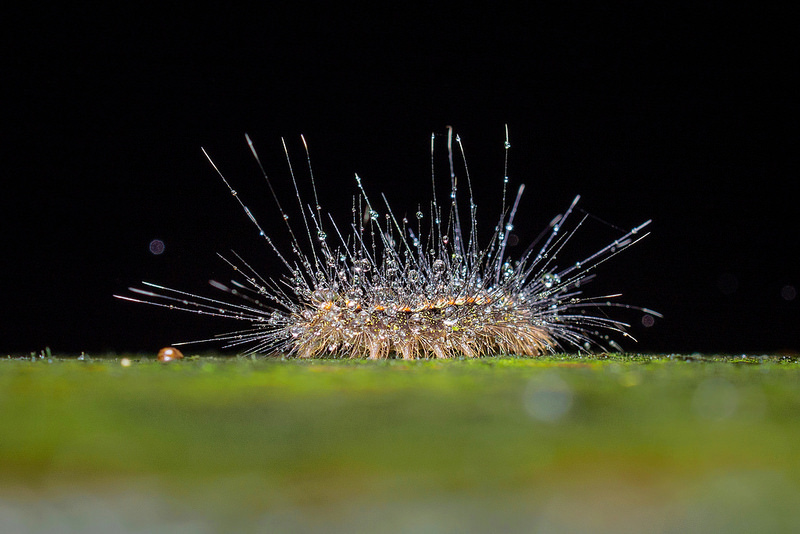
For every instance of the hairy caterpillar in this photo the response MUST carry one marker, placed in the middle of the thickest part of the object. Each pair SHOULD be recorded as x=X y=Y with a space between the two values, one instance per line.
x=398 y=287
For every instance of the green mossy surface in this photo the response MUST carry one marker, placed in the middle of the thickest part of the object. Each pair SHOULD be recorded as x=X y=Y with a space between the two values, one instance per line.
x=620 y=442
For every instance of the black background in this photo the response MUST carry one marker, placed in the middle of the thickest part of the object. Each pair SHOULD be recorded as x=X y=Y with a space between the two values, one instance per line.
x=686 y=115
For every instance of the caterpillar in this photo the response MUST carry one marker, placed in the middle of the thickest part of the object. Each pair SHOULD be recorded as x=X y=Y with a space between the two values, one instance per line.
x=409 y=287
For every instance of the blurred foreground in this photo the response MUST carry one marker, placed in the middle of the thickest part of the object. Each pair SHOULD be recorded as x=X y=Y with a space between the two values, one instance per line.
x=557 y=444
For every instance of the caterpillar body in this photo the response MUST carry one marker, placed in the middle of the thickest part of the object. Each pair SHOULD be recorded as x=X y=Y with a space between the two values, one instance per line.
x=389 y=286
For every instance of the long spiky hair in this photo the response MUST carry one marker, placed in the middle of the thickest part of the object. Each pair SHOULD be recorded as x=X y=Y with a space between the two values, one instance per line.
x=397 y=287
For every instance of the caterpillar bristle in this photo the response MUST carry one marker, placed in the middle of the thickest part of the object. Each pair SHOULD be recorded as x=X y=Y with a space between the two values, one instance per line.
x=389 y=287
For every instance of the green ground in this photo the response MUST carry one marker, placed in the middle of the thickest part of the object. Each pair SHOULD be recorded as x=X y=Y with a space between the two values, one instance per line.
x=558 y=444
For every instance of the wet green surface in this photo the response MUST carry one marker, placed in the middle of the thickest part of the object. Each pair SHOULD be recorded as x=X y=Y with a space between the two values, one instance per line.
x=618 y=443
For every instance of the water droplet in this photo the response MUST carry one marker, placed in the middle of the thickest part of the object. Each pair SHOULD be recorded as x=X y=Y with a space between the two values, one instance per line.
x=438 y=266
x=355 y=293
x=364 y=265
x=419 y=215
x=548 y=397
x=168 y=354
x=549 y=280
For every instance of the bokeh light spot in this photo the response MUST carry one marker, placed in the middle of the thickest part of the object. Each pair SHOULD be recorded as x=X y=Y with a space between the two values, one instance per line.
x=157 y=247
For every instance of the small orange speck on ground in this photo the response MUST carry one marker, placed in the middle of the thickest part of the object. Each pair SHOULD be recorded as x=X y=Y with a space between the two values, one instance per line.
x=168 y=354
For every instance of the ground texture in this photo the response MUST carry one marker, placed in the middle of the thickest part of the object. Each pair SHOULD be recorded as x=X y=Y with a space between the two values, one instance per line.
x=609 y=443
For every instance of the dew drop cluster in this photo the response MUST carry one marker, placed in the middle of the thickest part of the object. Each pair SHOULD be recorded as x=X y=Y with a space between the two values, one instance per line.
x=389 y=286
